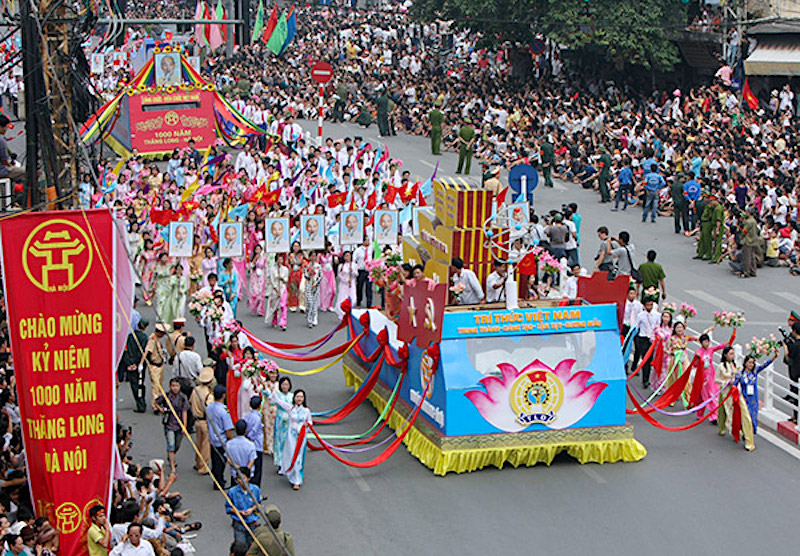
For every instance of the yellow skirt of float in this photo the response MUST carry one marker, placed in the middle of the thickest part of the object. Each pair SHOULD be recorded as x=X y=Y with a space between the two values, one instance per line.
x=469 y=453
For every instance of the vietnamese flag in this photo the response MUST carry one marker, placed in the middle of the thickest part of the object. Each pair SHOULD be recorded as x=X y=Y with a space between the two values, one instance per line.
x=372 y=200
x=410 y=192
x=391 y=194
x=162 y=217
x=501 y=197
x=748 y=96
x=273 y=197
x=336 y=199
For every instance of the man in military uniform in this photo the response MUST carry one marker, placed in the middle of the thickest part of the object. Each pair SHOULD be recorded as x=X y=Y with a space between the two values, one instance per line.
x=155 y=355
x=494 y=184
x=175 y=339
x=679 y=206
x=717 y=230
x=436 y=118
x=466 y=140
x=267 y=539
x=548 y=154
x=201 y=396
x=382 y=106
x=704 y=243
x=605 y=173
x=132 y=361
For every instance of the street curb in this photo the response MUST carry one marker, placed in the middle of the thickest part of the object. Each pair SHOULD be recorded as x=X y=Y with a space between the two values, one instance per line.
x=778 y=422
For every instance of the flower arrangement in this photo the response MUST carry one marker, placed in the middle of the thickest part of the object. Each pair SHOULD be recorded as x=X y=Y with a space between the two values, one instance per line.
x=214 y=312
x=377 y=271
x=232 y=326
x=199 y=302
x=218 y=342
x=687 y=310
x=548 y=263
x=247 y=368
x=733 y=319
x=764 y=347
x=267 y=366
x=195 y=275
x=457 y=289
x=670 y=308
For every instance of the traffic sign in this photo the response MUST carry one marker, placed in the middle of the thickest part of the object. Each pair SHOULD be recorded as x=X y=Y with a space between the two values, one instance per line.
x=321 y=72
x=537 y=46
x=523 y=178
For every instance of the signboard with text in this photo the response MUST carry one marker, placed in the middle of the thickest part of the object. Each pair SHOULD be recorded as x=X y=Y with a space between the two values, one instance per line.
x=162 y=121
x=67 y=331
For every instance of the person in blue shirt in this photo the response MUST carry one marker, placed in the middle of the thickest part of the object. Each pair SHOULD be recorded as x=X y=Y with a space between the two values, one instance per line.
x=691 y=191
x=220 y=429
x=255 y=432
x=586 y=175
x=653 y=182
x=241 y=451
x=246 y=498
x=625 y=180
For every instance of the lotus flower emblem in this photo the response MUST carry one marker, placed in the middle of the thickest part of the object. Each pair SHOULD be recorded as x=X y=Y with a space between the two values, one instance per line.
x=557 y=398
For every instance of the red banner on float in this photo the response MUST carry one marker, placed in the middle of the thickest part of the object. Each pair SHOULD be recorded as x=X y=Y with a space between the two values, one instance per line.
x=161 y=122
x=59 y=273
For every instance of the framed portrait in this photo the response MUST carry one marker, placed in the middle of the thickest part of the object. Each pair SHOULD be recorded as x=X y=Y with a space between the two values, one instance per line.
x=386 y=227
x=230 y=239
x=312 y=231
x=98 y=64
x=352 y=227
x=277 y=231
x=518 y=220
x=181 y=237
x=414 y=221
x=168 y=69
x=194 y=61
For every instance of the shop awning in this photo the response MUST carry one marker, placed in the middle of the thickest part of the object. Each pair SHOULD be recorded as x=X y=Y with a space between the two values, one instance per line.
x=775 y=55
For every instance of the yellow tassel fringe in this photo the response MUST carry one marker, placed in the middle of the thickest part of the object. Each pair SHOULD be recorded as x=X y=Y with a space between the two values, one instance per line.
x=442 y=461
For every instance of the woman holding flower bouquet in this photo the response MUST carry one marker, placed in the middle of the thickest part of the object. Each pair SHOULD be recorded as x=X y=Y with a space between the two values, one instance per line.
x=705 y=354
x=229 y=282
x=747 y=382
x=661 y=368
x=248 y=369
x=298 y=416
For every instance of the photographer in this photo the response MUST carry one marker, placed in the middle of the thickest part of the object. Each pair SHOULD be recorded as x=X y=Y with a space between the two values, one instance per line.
x=791 y=357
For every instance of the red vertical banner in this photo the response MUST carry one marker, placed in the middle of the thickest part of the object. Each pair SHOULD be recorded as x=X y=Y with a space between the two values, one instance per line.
x=59 y=274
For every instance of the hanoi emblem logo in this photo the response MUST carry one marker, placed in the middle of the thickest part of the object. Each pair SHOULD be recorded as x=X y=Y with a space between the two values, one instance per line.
x=536 y=397
x=57 y=256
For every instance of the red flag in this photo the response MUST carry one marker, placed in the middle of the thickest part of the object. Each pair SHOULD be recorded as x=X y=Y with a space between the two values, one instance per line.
x=207 y=27
x=421 y=202
x=273 y=197
x=167 y=36
x=271 y=23
x=748 y=96
x=212 y=233
x=372 y=200
x=391 y=194
x=162 y=217
x=336 y=199
x=501 y=197
x=409 y=192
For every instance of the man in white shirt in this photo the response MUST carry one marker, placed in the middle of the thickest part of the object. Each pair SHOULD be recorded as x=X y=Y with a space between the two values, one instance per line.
x=632 y=309
x=188 y=362
x=360 y=256
x=646 y=322
x=496 y=283
x=473 y=292
x=132 y=544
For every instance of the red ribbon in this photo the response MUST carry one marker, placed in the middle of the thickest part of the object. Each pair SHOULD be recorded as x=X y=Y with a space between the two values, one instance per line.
x=262 y=346
x=671 y=395
x=362 y=394
x=736 y=421
x=652 y=421
x=387 y=453
x=301 y=437
x=644 y=359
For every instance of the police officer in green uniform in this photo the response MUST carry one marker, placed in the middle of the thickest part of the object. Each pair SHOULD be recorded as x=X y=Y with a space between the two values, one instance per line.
x=466 y=140
x=436 y=118
x=679 y=206
x=706 y=218
x=717 y=230
x=382 y=105
x=604 y=175
x=548 y=154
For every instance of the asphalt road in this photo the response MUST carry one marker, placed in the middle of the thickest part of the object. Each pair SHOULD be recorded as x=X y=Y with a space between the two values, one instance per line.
x=695 y=491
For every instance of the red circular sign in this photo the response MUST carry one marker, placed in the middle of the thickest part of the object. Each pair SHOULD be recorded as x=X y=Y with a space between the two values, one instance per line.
x=321 y=72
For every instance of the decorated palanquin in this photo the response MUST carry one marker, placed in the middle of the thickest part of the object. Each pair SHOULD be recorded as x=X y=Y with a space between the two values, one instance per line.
x=500 y=386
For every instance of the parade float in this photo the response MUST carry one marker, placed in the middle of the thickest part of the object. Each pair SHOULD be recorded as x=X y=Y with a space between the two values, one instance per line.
x=490 y=384
x=164 y=105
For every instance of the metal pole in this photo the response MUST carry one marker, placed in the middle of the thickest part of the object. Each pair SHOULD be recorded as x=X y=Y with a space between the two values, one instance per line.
x=229 y=25
x=319 y=115
x=30 y=49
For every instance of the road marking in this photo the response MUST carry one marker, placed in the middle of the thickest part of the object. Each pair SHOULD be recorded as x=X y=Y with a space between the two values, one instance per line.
x=777 y=441
x=362 y=484
x=426 y=163
x=593 y=474
x=789 y=297
x=715 y=301
x=758 y=302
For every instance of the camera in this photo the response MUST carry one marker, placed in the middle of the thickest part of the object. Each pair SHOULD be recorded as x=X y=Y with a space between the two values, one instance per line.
x=787 y=337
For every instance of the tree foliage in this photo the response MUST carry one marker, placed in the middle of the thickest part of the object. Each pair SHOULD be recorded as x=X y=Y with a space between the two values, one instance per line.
x=629 y=31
